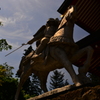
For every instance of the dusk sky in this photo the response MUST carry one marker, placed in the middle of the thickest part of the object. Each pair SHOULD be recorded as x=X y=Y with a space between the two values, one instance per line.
x=21 y=19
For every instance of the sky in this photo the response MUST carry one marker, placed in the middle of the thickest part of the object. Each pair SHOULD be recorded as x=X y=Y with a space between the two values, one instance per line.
x=21 y=19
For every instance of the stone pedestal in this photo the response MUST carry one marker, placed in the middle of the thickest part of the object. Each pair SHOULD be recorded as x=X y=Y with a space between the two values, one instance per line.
x=71 y=93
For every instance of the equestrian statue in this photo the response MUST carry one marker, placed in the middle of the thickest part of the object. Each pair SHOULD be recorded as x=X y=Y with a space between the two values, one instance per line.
x=56 y=49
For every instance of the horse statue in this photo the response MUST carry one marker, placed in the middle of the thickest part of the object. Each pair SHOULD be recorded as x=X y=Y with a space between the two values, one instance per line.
x=60 y=52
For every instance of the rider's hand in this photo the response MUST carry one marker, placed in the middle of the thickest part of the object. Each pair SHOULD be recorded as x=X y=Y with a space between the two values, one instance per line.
x=30 y=42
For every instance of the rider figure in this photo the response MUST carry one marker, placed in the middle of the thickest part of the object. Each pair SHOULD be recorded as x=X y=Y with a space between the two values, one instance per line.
x=43 y=35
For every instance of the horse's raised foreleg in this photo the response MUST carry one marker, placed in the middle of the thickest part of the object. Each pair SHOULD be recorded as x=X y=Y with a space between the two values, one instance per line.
x=23 y=78
x=62 y=58
x=79 y=54
x=43 y=79
x=86 y=65
x=84 y=69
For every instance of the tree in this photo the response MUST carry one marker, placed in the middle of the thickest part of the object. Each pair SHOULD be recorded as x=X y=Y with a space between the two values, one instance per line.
x=4 y=45
x=5 y=72
x=9 y=84
x=57 y=80
x=2 y=71
x=32 y=86
x=35 y=85
x=8 y=89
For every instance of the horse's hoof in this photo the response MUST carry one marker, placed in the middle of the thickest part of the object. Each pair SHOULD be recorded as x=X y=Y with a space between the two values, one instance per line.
x=78 y=84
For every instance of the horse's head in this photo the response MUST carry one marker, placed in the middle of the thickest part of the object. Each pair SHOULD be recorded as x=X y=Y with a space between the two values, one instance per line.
x=71 y=13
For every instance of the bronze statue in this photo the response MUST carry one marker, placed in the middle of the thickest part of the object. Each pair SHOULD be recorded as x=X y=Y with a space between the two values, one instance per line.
x=62 y=53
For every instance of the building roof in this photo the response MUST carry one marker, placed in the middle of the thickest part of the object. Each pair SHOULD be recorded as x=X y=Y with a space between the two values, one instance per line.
x=88 y=18
x=88 y=13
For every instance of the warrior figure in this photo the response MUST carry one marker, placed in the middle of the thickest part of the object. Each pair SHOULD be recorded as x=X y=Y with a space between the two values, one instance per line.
x=43 y=35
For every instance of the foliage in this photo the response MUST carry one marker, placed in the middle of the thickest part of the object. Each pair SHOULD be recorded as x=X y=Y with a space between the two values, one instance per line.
x=9 y=84
x=4 y=45
x=8 y=73
x=5 y=72
x=95 y=79
x=26 y=96
x=57 y=80
x=8 y=89
x=2 y=71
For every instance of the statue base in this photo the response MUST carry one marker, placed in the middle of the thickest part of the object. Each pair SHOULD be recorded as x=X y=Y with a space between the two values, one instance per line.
x=69 y=92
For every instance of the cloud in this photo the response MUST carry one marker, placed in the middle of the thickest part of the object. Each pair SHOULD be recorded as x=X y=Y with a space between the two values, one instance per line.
x=7 y=21
x=21 y=19
x=20 y=34
x=15 y=11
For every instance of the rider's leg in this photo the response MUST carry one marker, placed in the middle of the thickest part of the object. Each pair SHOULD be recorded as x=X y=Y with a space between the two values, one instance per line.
x=62 y=58
x=42 y=45
x=38 y=55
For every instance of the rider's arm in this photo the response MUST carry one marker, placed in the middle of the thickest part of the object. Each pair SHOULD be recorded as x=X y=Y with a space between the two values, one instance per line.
x=38 y=35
